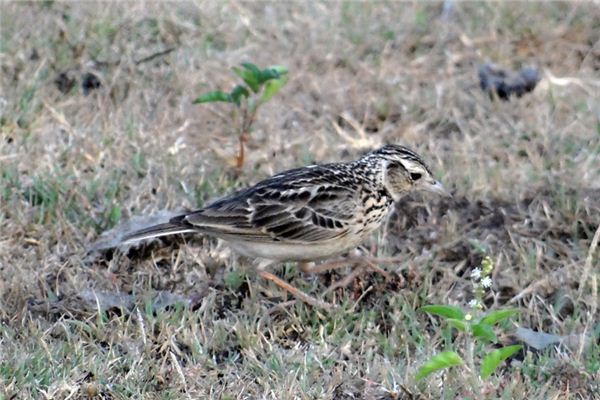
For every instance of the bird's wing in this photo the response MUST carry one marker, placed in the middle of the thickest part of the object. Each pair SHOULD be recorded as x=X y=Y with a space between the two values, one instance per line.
x=305 y=205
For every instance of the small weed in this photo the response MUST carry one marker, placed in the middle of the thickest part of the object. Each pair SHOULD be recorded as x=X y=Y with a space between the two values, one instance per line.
x=478 y=329
x=260 y=86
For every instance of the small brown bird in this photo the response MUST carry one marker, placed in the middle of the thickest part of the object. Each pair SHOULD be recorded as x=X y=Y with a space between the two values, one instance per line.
x=310 y=213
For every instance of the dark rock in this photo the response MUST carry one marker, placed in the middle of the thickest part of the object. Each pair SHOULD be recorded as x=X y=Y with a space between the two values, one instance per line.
x=89 y=82
x=503 y=83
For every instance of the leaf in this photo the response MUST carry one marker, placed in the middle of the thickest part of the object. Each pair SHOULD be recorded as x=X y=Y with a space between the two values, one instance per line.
x=213 y=97
x=457 y=324
x=272 y=87
x=448 y=312
x=237 y=93
x=443 y=360
x=251 y=67
x=484 y=331
x=272 y=73
x=497 y=316
x=268 y=74
x=249 y=75
x=492 y=360
x=280 y=69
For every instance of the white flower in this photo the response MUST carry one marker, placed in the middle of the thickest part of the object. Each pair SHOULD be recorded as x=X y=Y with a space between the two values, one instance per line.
x=468 y=317
x=476 y=273
x=474 y=303
x=486 y=282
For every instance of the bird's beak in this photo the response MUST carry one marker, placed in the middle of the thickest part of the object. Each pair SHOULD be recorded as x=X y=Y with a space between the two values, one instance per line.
x=438 y=188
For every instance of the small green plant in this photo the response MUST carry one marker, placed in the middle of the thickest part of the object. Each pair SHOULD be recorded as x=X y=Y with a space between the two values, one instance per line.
x=260 y=85
x=478 y=329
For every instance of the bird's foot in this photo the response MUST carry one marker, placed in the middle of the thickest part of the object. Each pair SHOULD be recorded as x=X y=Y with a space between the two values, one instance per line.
x=366 y=261
x=297 y=293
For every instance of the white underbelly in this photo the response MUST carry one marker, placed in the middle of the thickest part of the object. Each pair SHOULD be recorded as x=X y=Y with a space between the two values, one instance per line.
x=278 y=251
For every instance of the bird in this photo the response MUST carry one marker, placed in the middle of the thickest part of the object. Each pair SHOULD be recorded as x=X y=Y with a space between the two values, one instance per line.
x=307 y=214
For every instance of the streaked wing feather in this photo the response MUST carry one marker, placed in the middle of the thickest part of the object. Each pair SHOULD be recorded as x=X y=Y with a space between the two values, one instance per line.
x=298 y=207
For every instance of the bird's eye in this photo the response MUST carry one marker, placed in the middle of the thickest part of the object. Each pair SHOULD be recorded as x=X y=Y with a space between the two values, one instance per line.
x=415 y=176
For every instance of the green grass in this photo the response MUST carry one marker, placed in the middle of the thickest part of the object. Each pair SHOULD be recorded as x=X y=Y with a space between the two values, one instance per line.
x=184 y=318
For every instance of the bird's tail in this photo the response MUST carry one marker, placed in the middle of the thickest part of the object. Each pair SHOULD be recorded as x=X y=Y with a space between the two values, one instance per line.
x=154 y=231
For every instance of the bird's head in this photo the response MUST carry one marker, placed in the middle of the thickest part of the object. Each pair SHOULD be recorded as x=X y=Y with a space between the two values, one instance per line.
x=404 y=171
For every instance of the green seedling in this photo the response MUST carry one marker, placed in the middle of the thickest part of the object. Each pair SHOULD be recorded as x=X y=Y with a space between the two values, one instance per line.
x=260 y=85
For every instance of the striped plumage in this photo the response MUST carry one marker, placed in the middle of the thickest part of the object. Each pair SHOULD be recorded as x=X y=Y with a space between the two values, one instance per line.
x=308 y=213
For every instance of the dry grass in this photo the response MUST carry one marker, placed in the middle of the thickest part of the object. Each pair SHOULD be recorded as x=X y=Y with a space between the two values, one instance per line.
x=183 y=319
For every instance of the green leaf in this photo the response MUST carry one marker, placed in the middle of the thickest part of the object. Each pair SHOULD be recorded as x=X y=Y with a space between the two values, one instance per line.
x=275 y=72
x=280 y=69
x=249 y=75
x=212 y=97
x=252 y=68
x=237 y=93
x=268 y=74
x=443 y=360
x=272 y=87
x=497 y=316
x=457 y=324
x=448 y=312
x=484 y=331
x=492 y=360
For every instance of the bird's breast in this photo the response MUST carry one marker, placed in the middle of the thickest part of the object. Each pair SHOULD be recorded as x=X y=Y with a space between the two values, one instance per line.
x=374 y=210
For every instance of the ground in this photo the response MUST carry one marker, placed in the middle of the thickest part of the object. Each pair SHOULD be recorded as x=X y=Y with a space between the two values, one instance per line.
x=98 y=131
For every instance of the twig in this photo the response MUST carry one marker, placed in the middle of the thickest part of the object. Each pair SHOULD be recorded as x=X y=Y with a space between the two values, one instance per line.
x=362 y=296
x=375 y=268
x=345 y=281
x=155 y=55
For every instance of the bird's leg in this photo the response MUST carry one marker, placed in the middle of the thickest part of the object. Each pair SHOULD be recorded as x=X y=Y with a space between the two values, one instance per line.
x=345 y=281
x=297 y=293
x=362 y=262
x=300 y=295
x=311 y=268
x=374 y=267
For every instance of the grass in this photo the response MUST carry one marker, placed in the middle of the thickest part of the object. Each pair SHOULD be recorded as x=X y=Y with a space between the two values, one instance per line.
x=184 y=318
